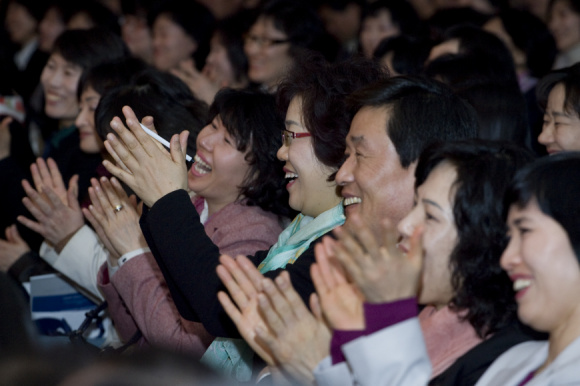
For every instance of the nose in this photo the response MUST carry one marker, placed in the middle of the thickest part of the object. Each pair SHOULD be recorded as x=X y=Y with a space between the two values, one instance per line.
x=81 y=120
x=51 y=77
x=282 y=153
x=206 y=137
x=344 y=175
x=510 y=257
x=250 y=48
x=407 y=225
x=546 y=137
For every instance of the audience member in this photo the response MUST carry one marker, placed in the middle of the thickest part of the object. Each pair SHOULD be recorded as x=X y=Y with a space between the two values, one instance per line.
x=386 y=136
x=383 y=19
x=226 y=64
x=284 y=31
x=181 y=30
x=564 y=23
x=238 y=188
x=312 y=150
x=559 y=97
x=403 y=55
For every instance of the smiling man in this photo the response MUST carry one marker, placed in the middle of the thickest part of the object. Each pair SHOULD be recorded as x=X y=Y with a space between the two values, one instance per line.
x=395 y=120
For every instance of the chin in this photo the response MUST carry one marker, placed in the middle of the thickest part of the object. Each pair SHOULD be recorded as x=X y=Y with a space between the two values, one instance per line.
x=90 y=149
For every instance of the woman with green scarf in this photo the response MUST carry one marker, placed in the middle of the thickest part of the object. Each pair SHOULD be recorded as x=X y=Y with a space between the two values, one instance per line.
x=313 y=143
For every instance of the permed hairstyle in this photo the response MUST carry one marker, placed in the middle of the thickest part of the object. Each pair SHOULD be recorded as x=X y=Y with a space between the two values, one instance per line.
x=554 y=184
x=485 y=170
x=570 y=78
x=88 y=48
x=323 y=89
x=252 y=119
x=160 y=95
x=422 y=112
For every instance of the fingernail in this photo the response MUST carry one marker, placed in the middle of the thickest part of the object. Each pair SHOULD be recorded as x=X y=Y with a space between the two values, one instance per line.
x=111 y=137
x=113 y=125
x=281 y=282
x=266 y=284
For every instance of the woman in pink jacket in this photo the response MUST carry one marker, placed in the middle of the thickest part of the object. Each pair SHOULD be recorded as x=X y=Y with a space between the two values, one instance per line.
x=237 y=186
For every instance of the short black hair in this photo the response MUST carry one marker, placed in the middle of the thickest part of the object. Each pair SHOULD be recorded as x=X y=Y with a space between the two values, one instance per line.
x=88 y=48
x=252 y=119
x=402 y=14
x=423 y=111
x=570 y=78
x=554 y=183
x=324 y=89
x=158 y=94
x=532 y=36
x=501 y=112
x=487 y=57
x=98 y=14
x=409 y=53
x=485 y=170
x=109 y=75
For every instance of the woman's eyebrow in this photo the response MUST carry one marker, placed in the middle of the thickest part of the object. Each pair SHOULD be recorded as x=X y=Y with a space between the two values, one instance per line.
x=431 y=202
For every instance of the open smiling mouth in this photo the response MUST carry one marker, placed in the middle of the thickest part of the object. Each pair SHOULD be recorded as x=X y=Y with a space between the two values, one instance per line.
x=200 y=166
x=351 y=200
x=520 y=284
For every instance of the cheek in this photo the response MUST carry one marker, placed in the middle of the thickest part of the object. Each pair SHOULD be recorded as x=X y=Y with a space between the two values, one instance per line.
x=45 y=77
x=569 y=138
x=92 y=145
x=233 y=165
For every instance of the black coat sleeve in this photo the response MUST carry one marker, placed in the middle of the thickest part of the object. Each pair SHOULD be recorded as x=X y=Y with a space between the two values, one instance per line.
x=188 y=260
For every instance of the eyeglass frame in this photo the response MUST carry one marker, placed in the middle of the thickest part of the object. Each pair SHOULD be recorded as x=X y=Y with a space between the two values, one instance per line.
x=288 y=136
x=263 y=42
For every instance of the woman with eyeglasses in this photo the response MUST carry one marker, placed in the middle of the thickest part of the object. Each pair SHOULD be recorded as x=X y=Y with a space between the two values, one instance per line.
x=317 y=122
x=283 y=32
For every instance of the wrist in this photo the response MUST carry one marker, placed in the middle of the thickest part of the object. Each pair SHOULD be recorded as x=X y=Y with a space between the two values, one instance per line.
x=61 y=244
x=134 y=253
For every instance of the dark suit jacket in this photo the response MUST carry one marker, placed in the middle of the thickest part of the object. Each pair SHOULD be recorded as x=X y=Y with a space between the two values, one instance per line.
x=189 y=263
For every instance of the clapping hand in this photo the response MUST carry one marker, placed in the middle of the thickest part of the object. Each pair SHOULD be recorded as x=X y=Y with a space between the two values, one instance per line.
x=297 y=338
x=381 y=271
x=56 y=209
x=143 y=163
x=115 y=217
